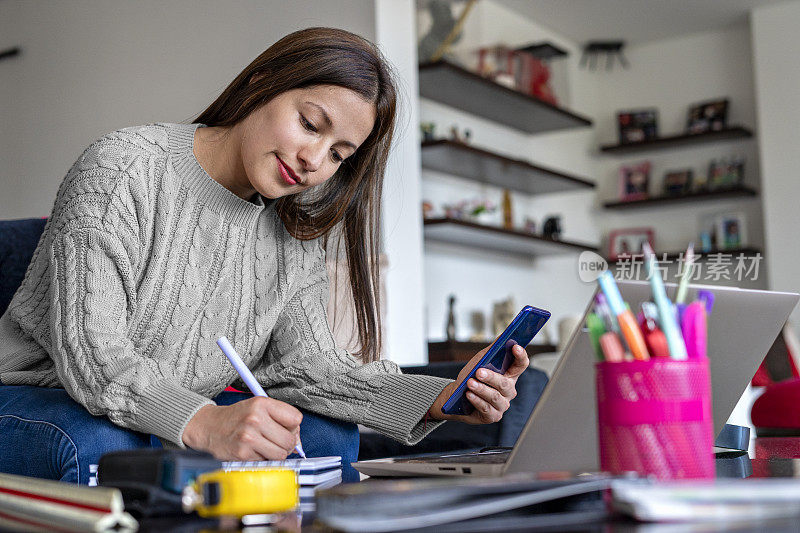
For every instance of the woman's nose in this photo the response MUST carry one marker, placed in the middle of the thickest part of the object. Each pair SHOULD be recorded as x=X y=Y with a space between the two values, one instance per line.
x=311 y=156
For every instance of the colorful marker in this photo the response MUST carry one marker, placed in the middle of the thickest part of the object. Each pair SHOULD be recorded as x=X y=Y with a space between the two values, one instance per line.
x=612 y=348
x=688 y=266
x=666 y=315
x=649 y=320
x=678 y=309
x=694 y=330
x=596 y=330
x=707 y=297
x=248 y=378
x=601 y=305
x=602 y=308
x=653 y=336
x=627 y=322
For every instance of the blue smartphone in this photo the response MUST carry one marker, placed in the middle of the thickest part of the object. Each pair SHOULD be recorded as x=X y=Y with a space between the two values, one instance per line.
x=499 y=356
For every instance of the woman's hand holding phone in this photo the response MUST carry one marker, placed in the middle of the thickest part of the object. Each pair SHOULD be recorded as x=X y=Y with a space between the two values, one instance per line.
x=489 y=392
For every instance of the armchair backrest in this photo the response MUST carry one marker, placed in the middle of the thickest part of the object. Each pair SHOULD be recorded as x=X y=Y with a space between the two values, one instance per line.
x=18 y=240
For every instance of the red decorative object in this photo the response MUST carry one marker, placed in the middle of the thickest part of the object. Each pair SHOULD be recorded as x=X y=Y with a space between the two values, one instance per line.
x=540 y=80
x=518 y=70
x=779 y=407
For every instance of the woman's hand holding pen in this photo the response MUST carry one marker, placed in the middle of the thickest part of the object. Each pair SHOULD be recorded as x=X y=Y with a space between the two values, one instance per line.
x=491 y=393
x=255 y=429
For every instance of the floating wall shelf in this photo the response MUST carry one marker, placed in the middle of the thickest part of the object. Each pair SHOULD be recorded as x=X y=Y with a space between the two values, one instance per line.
x=466 y=350
x=700 y=196
x=491 y=168
x=478 y=236
x=746 y=251
x=457 y=87
x=673 y=141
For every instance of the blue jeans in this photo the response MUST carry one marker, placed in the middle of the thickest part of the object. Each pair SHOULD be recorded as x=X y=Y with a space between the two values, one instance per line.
x=46 y=434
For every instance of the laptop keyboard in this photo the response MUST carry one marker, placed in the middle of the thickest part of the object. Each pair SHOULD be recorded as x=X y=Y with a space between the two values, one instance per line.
x=486 y=458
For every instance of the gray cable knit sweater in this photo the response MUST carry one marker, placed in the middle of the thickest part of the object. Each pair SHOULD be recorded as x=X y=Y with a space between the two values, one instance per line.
x=146 y=261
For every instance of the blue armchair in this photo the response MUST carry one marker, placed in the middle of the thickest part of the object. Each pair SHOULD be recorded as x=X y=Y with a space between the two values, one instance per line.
x=18 y=240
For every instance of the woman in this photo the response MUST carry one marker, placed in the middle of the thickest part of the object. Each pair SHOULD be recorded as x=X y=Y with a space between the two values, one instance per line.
x=165 y=237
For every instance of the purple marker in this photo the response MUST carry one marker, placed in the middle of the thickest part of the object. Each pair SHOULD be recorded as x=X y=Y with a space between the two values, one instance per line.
x=679 y=309
x=248 y=377
x=707 y=297
x=601 y=305
x=694 y=330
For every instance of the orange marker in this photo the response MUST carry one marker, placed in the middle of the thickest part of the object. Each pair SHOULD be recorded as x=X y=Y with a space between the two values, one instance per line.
x=630 y=329
x=627 y=322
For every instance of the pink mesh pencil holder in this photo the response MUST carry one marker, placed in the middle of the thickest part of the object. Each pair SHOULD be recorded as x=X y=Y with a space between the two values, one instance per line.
x=654 y=418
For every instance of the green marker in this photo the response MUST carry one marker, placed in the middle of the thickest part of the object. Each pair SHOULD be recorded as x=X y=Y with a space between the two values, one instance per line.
x=688 y=265
x=596 y=330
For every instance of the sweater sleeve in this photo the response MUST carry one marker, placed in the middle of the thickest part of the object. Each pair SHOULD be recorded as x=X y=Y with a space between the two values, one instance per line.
x=93 y=255
x=305 y=368
x=96 y=362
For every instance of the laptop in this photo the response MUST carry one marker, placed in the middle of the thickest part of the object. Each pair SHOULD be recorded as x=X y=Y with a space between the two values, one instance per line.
x=561 y=433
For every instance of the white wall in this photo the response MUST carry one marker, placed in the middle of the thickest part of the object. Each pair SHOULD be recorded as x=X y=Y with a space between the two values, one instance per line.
x=91 y=66
x=402 y=213
x=777 y=80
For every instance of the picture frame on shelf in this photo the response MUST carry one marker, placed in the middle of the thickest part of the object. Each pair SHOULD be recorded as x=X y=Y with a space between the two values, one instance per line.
x=708 y=116
x=678 y=182
x=634 y=181
x=725 y=174
x=722 y=231
x=707 y=232
x=731 y=230
x=629 y=241
x=637 y=125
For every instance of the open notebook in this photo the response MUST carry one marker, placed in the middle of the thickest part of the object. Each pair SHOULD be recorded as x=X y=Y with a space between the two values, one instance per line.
x=310 y=472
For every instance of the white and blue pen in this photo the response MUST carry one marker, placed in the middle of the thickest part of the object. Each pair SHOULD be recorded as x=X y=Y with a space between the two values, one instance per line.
x=669 y=325
x=248 y=377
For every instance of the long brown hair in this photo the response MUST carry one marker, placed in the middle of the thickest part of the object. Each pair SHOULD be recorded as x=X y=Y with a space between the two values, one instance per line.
x=352 y=197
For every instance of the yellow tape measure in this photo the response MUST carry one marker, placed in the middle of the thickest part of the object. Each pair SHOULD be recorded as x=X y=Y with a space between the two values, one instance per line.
x=241 y=493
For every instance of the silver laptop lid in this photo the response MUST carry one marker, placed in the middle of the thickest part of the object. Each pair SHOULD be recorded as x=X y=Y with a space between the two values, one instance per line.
x=561 y=433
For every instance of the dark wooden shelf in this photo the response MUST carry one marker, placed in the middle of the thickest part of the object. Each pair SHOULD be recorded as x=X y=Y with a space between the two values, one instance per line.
x=478 y=236
x=673 y=141
x=440 y=351
x=457 y=87
x=699 y=196
x=747 y=250
x=483 y=166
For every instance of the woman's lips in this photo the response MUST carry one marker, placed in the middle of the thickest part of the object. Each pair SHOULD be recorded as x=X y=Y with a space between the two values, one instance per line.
x=287 y=173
